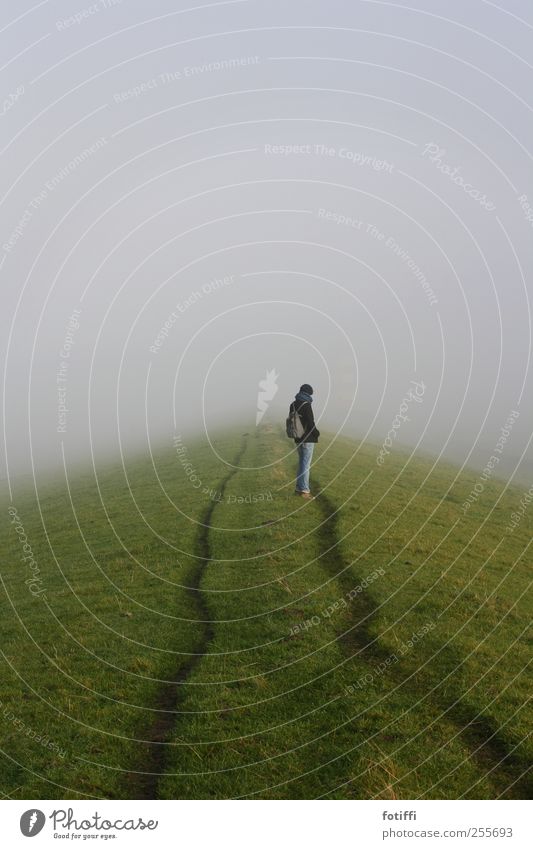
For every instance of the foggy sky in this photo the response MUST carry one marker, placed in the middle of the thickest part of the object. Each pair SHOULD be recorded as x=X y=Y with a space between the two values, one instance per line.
x=196 y=195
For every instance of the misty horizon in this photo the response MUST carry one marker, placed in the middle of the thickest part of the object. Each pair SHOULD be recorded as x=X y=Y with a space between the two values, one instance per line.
x=206 y=197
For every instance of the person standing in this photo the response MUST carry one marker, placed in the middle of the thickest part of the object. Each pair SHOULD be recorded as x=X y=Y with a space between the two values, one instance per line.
x=302 y=405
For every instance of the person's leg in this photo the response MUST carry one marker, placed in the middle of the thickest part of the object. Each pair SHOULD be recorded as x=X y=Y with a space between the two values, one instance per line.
x=308 y=456
x=301 y=467
x=305 y=454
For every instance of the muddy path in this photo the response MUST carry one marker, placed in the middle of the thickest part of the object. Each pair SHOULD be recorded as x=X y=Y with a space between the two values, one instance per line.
x=151 y=755
x=503 y=763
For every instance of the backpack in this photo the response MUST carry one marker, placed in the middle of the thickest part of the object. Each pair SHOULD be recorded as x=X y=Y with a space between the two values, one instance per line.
x=293 y=424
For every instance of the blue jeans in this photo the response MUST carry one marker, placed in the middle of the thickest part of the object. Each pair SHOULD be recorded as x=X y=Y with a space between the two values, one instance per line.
x=305 y=454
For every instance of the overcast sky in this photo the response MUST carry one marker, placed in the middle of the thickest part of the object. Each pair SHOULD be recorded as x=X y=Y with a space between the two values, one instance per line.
x=337 y=193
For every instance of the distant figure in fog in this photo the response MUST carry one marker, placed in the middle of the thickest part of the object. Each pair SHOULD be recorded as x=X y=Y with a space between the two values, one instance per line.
x=305 y=435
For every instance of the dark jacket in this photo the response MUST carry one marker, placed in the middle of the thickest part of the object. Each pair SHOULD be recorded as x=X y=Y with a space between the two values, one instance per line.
x=305 y=411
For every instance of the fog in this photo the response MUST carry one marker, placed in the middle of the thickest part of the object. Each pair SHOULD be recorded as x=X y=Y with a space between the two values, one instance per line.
x=204 y=207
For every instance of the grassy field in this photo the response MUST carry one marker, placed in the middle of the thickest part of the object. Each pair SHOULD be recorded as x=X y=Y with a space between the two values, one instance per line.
x=197 y=631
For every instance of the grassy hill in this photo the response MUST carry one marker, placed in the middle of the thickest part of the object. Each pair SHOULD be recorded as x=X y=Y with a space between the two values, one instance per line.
x=194 y=630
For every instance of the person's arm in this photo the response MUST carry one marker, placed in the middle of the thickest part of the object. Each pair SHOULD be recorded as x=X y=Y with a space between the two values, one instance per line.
x=316 y=430
x=308 y=419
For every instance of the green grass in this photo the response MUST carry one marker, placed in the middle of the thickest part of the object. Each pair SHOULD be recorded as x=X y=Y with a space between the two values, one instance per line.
x=266 y=706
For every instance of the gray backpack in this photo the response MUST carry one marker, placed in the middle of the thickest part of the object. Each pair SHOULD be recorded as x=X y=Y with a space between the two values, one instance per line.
x=293 y=424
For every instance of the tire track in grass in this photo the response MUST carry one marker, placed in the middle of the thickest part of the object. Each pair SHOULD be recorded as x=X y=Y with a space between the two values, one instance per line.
x=143 y=782
x=499 y=761
x=508 y=767
x=358 y=639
